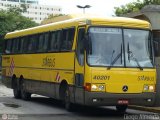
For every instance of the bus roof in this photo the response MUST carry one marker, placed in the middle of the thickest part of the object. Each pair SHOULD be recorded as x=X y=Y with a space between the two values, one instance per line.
x=82 y=20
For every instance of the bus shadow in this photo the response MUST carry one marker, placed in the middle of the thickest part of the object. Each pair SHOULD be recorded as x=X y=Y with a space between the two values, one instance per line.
x=79 y=109
x=97 y=111
x=48 y=102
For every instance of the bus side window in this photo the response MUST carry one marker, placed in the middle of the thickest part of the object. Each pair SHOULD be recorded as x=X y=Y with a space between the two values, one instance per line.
x=54 y=42
x=58 y=40
x=25 y=44
x=16 y=48
x=13 y=46
x=30 y=46
x=21 y=44
x=71 y=34
x=52 y=45
x=80 y=46
x=67 y=39
x=8 y=44
x=5 y=47
x=32 y=43
x=43 y=42
x=40 y=43
x=35 y=42
x=46 y=40
x=64 y=40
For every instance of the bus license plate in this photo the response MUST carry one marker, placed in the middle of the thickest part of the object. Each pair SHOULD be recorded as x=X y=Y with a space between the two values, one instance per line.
x=122 y=102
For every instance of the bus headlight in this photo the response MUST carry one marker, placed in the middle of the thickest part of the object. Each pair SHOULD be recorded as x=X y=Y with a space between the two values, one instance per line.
x=98 y=87
x=94 y=87
x=101 y=87
x=148 y=88
x=151 y=88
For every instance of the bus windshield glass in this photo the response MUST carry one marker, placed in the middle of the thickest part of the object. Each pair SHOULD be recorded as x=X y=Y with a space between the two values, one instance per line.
x=138 y=48
x=106 y=47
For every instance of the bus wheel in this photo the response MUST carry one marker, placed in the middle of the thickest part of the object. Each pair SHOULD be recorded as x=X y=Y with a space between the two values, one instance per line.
x=16 y=90
x=68 y=105
x=24 y=94
x=121 y=108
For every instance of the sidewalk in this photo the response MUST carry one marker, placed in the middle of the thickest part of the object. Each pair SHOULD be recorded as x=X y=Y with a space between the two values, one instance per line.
x=4 y=91
x=148 y=109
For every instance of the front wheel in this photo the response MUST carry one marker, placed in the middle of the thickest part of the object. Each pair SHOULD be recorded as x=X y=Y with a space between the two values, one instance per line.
x=121 y=108
x=24 y=94
x=68 y=105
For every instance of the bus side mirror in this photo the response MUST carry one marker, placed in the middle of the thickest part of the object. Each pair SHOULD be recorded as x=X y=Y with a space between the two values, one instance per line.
x=87 y=44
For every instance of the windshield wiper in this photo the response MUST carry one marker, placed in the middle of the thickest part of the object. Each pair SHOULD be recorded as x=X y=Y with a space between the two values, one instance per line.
x=115 y=59
x=131 y=56
x=139 y=66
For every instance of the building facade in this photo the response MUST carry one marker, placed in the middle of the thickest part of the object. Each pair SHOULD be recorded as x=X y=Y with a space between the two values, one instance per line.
x=34 y=10
x=23 y=1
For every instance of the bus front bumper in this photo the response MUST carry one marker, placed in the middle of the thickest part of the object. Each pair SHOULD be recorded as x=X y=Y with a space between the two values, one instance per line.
x=112 y=99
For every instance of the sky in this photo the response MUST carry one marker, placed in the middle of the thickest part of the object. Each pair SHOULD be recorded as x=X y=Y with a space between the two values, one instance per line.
x=101 y=7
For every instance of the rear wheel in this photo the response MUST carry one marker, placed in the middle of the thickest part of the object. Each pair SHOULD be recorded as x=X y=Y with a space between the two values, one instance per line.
x=16 y=90
x=121 y=108
x=24 y=94
x=17 y=93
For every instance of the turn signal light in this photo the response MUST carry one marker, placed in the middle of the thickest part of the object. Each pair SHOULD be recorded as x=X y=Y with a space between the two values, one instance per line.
x=88 y=87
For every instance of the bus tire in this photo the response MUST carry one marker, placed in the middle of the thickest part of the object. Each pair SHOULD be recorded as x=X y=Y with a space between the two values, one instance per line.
x=68 y=105
x=16 y=90
x=121 y=108
x=16 y=93
x=24 y=94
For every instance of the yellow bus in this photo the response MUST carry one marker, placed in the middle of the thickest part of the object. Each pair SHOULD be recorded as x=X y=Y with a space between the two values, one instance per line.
x=87 y=60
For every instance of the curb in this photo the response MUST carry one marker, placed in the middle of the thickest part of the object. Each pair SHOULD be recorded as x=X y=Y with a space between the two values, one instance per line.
x=148 y=109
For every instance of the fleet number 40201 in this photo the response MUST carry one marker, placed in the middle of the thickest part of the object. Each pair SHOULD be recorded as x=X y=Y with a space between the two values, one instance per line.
x=101 y=77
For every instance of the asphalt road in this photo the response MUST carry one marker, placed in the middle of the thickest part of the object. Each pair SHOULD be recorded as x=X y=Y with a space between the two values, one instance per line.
x=42 y=108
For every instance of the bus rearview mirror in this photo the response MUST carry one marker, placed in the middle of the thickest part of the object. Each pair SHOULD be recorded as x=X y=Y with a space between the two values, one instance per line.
x=87 y=44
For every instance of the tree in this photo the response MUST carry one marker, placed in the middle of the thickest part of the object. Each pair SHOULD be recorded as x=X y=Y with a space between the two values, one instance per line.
x=134 y=6
x=12 y=20
x=54 y=18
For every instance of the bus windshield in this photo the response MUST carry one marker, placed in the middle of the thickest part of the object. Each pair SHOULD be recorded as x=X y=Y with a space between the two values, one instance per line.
x=107 y=47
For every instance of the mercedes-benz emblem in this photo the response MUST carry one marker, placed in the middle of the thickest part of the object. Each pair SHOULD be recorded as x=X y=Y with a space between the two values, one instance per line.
x=125 y=88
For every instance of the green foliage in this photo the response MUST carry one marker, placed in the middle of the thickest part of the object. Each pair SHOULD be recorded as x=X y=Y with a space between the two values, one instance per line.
x=54 y=16
x=24 y=7
x=12 y=20
x=134 y=6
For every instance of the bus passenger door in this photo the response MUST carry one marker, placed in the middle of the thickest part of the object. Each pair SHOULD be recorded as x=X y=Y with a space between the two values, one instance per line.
x=79 y=67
